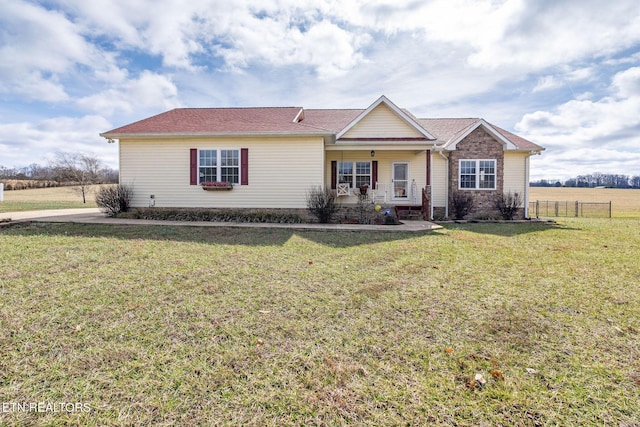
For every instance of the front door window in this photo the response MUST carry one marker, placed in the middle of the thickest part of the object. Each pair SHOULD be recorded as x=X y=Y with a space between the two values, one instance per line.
x=401 y=181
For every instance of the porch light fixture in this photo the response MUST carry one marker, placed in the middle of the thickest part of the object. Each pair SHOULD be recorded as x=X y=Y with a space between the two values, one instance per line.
x=373 y=153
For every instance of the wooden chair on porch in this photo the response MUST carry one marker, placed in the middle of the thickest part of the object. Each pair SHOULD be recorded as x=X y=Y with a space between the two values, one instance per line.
x=343 y=190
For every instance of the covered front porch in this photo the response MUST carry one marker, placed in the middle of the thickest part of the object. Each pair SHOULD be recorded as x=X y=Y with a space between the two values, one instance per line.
x=397 y=180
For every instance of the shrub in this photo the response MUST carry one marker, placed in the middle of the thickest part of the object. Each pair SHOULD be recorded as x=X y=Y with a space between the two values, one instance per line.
x=113 y=199
x=508 y=204
x=321 y=203
x=461 y=204
x=214 y=215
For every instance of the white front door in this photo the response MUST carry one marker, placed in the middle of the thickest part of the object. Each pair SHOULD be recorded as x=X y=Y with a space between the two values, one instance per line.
x=400 y=181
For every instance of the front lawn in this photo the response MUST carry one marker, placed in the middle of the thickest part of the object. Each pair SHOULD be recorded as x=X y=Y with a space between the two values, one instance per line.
x=475 y=324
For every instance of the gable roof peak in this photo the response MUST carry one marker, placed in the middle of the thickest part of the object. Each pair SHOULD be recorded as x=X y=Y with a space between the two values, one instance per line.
x=480 y=122
x=407 y=118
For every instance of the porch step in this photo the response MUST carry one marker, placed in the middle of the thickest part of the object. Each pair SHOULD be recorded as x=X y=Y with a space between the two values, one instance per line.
x=409 y=212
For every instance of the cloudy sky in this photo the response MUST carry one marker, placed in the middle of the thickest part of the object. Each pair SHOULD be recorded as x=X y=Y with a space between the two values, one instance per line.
x=562 y=73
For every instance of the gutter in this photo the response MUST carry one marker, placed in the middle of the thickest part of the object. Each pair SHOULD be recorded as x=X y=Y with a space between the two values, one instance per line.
x=109 y=135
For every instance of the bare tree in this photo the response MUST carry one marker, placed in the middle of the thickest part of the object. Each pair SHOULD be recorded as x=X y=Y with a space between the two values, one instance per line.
x=81 y=169
x=109 y=176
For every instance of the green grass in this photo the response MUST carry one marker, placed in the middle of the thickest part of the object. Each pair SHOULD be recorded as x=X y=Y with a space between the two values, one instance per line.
x=205 y=326
x=46 y=198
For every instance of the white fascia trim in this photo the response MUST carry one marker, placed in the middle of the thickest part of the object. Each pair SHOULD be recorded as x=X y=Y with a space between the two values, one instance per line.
x=208 y=134
x=508 y=145
x=395 y=109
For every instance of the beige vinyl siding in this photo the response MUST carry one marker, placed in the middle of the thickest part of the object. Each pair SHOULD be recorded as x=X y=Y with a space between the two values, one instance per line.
x=382 y=122
x=514 y=172
x=438 y=180
x=417 y=170
x=281 y=170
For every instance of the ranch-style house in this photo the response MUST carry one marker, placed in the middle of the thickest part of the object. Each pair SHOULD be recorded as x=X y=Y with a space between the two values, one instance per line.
x=269 y=158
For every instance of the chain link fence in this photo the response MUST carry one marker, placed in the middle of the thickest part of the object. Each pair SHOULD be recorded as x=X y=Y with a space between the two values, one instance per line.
x=545 y=208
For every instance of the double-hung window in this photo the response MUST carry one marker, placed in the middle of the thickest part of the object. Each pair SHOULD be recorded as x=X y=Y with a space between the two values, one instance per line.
x=219 y=166
x=356 y=174
x=477 y=174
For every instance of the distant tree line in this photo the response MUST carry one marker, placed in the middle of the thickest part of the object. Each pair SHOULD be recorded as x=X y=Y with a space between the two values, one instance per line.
x=55 y=172
x=80 y=170
x=593 y=180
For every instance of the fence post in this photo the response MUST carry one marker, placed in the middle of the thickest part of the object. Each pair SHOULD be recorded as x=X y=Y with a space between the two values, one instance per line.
x=537 y=208
x=609 y=208
x=556 y=207
x=1 y=191
x=577 y=204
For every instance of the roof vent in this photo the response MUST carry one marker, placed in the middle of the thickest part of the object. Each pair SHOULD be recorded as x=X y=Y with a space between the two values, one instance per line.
x=299 y=117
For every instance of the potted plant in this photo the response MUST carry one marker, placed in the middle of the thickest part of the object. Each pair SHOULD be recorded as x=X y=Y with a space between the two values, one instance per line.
x=363 y=189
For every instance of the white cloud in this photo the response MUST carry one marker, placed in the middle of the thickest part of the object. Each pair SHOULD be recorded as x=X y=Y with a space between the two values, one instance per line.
x=597 y=134
x=34 y=86
x=25 y=143
x=546 y=83
x=582 y=161
x=627 y=83
x=150 y=91
x=545 y=33
x=38 y=47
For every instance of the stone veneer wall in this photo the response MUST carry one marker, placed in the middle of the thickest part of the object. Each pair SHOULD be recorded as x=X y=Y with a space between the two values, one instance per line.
x=477 y=145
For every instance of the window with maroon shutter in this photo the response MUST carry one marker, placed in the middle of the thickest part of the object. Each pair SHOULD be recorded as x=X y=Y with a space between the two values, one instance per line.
x=219 y=165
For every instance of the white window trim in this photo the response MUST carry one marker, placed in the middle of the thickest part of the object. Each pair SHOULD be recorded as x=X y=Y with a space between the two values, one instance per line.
x=352 y=184
x=219 y=167
x=477 y=162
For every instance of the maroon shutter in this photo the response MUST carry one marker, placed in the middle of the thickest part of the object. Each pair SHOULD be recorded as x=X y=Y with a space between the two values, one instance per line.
x=244 y=166
x=374 y=174
x=194 y=166
x=428 y=167
x=334 y=174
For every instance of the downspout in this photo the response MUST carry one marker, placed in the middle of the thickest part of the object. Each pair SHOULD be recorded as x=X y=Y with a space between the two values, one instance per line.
x=446 y=187
x=428 y=177
x=526 y=186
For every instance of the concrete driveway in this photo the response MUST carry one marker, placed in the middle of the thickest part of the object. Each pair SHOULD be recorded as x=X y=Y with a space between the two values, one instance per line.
x=53 y=215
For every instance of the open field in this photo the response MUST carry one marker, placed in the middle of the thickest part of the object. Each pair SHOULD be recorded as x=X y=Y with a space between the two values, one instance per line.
x=193 y=326
x=45 y=198
x=625 y=203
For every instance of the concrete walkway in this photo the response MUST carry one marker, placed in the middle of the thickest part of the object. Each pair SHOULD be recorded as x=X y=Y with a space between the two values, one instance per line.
x=94 y=216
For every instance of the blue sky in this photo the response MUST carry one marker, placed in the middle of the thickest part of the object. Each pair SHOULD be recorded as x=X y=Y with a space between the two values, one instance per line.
x=562 y=73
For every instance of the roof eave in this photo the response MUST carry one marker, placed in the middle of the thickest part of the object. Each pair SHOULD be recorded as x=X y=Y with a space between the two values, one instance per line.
x=164 y=135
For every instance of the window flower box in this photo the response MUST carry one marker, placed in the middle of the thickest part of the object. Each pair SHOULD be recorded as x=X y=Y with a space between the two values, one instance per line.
x=216 y=186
